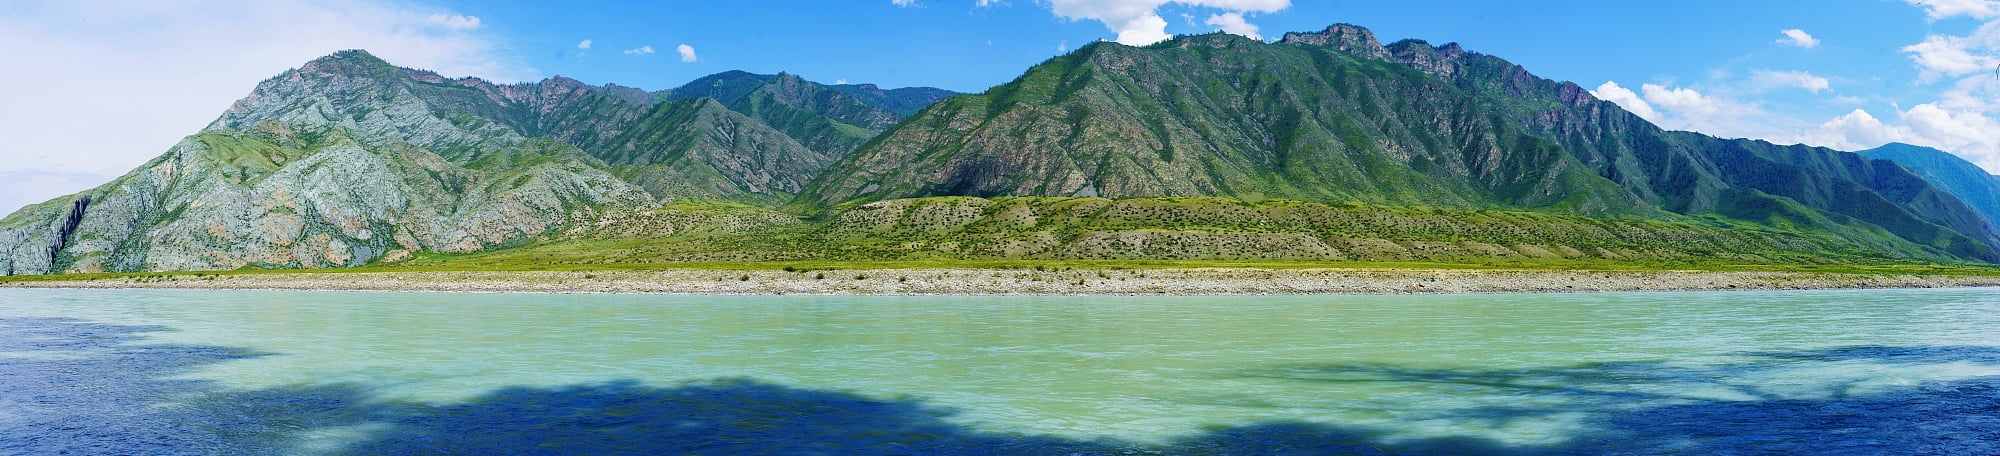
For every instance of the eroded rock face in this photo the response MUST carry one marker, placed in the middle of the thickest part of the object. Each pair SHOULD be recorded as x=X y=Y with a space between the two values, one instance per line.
x=1352 y=39
x=333 y=164
x=347 y=158
x=332 y=205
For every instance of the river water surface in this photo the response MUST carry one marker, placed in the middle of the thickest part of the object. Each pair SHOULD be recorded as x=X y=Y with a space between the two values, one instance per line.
x=250 y=372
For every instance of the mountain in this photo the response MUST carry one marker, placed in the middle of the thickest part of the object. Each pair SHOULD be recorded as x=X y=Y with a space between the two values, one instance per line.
x=1220 y=115
x=904 y=101
x=348 y=159
x=1337 y=116
x=830 y=120
x=1947 y=172
x=1325 y=141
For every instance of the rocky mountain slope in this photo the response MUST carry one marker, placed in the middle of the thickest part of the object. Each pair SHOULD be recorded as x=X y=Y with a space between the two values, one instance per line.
x=348 y=159
x=1337 y=116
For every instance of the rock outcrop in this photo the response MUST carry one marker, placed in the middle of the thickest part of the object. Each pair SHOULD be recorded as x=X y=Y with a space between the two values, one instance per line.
x=348 y=159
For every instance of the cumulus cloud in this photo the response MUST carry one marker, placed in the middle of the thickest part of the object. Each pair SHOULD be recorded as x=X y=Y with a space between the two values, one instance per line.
x=1796 y=37
x=157 y=71
x=641 y=50
x=1939 y=56
x=1685 y=108
x=1680 y=99
x=1968 y=134
x=1856 y=130
x=453 y=21
x=1948 y=127
x=903 y=3
x=1940 y=9
x=1233 y=23
x=1625 y=98
x=1138 y=22
x=1799 y=79
x=686 y=51
x=585 y=44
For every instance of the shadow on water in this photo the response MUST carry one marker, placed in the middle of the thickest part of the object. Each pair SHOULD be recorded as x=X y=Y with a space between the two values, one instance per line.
x=69 y=386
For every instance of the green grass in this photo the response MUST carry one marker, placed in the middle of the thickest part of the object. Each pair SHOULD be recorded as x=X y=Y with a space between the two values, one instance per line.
x=807 y=267
x=974 y=233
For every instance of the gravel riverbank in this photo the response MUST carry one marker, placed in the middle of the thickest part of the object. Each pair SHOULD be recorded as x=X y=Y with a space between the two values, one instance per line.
x=1017 y=281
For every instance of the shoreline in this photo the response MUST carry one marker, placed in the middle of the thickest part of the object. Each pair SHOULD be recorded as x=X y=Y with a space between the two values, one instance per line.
x=968 y=281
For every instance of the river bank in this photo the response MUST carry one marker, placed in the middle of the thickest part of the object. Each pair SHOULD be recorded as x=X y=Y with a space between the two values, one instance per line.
x=1019 y=281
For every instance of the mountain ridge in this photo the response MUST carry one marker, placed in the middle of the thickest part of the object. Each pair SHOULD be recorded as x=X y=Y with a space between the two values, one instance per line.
x=1528 y=125
x=349 y=160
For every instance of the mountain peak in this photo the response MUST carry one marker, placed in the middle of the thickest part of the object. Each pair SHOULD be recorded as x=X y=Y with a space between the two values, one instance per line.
x=350 y=61
x=1349 y=38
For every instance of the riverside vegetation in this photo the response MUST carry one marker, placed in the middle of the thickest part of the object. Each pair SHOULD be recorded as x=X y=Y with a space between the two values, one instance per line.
x=1323 y=149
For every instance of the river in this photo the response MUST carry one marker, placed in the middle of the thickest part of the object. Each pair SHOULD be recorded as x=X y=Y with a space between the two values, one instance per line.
x=263 y=372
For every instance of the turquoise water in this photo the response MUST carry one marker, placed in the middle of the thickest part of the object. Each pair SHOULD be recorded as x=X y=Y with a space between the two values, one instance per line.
x=230 y=372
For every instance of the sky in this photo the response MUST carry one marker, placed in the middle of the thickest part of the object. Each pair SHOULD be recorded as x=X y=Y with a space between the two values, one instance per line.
x=98 y=87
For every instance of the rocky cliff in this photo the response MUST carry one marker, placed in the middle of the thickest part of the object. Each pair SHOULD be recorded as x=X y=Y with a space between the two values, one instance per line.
x=348 y=159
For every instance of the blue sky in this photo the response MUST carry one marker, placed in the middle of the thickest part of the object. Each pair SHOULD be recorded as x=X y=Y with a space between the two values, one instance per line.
x=112 y=83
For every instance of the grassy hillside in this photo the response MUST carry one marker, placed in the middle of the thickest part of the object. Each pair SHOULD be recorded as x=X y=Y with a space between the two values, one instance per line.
x=954 y=231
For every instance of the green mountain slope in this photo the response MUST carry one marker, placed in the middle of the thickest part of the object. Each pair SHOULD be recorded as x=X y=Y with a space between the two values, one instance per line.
x=1220 y=115
x=1947 y=172
x=1336 y=116
x=1685 y=172
x=831 y=120
x=941 y=230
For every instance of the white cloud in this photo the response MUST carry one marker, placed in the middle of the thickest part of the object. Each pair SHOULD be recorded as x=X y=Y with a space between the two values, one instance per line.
x=1796 y=37
x=1940 y=9
x=1954 y=128
x=686 y=51
x=1968 y=134
x=903 y=3
x=1233 y=23
x=1612 y=92
x=1062 y=47
x=1855 y=130
x=154 y=72
x=1940 y=55
x=1680 y=99
x=1684 y=108
x=841 y=81
x=641 y=50
x=585 y=44
x=453 y=21
x=1138 y=22
x=1799 y=79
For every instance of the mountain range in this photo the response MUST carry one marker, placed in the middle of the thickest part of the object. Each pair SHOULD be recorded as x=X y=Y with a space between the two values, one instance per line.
x=349 y=160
